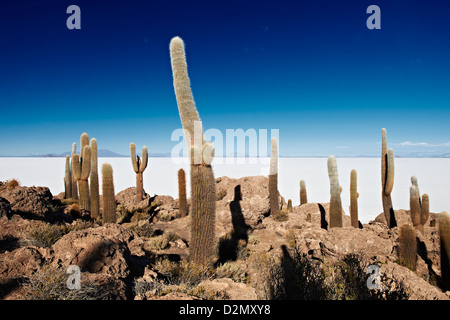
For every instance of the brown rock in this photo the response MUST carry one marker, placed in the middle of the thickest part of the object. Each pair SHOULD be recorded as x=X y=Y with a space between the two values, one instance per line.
x=96 y=250
x=34 y=201
x=228 y=288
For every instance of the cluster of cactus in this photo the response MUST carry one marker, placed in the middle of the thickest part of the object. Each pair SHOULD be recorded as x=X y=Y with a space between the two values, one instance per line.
x=82 y=179
x=419 y=206
x=203 y=194
x=81 y=167
x=273 y=179
x=139 y=166
x=387 y=180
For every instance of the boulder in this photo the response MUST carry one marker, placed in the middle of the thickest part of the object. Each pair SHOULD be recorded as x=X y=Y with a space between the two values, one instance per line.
x=96 y=250
x=127 y=199
x=30 y=201
x=253 y=207
x=225 y=287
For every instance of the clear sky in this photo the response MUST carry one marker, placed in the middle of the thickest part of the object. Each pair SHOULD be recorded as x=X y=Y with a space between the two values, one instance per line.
x=311 y=69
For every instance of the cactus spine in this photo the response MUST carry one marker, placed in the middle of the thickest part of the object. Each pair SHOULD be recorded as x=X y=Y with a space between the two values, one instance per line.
x=354 y=199
x=139 y=166
x=203 y=194
x=68 y=179
x=335 y=194
x=74 y=180
x=273 y=179
x=303 y=195
x=109 y=200
x=387 y=180
x=182 y=193
x=444 y=234
x=81 y=169
x=407 y=246
x=93 y=180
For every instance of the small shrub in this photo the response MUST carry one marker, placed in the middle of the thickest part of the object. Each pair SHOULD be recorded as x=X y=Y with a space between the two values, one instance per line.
x=45 y=235
x=13 y=183
x=144 y=230
x=50 y=283
x=183 y=273
x=253 y=240
x=158 y=243
x=231 y=270
x=281 y=216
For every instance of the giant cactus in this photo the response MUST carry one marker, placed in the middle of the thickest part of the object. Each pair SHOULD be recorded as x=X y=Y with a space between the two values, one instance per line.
x=419 y=206
x=68 y=179
x=354 y=199
x=335 y=194
x=81 y=169
x=273 y=179
x=139 y=166
x=109 y=200
x=387 y=180
x=74 y=181
x=93 y=180
x=303 y=194
x=407 y=246
x=182 y=193
x=444 y=234
x=203 y=194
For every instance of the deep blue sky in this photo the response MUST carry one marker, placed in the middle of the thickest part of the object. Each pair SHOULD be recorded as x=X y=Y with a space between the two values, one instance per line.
x=311 y=69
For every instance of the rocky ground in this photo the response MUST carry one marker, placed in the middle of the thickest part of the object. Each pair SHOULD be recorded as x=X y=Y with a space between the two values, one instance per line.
x=259 y=256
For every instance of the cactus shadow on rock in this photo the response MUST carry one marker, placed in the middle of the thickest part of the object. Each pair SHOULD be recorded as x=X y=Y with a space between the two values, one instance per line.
x=228 y=246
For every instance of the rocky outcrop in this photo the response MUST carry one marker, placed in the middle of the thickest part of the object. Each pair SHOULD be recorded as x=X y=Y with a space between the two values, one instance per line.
x=30 y=201
x=96 y=250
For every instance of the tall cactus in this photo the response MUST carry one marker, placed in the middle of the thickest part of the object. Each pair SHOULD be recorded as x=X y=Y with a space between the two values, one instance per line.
x=407 y=246
x=93 y=180
x=289 y=206
x=74 y=181
x=81 y=170
x=139 y=166
x=84 y=141
x=273 y=179
x=203 y=194
x=335 y=194
x=387 y=180
x=67 y=179
x=354 y=199
x=444 y=234
x=109 y=200
x=303 y=195
x=182 y=193
x=419 y=208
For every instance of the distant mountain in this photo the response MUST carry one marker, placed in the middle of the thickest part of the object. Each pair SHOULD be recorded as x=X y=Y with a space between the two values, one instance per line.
x=102 y=153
